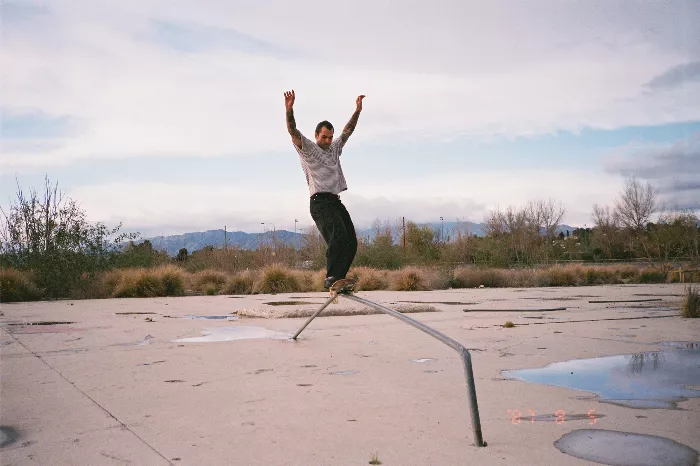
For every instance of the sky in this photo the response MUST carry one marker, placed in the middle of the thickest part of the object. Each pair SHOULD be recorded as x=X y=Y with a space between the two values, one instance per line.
x=168 y=116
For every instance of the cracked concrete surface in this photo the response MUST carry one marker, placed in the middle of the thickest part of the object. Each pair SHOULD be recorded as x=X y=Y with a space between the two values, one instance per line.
x=112 y=388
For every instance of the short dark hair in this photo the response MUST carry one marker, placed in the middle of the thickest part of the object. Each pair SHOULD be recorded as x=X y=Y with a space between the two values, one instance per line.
x=324 y=124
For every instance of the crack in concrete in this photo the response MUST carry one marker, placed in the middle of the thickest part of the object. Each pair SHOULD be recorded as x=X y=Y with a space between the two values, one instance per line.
x=124 y=426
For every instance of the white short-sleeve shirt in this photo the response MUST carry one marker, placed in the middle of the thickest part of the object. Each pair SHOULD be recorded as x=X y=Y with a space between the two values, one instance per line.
x=322 y=166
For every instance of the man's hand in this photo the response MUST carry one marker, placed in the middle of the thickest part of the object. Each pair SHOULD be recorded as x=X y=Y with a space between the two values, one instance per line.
x=350 y=127
x=289 y=100
x=291 y=124
x=358 y=102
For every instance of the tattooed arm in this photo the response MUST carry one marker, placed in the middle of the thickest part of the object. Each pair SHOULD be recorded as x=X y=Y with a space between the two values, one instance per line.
x=291 y=123
x=350 y=126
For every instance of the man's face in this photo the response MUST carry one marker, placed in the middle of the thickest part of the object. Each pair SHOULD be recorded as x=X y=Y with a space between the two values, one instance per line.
x=324 y=138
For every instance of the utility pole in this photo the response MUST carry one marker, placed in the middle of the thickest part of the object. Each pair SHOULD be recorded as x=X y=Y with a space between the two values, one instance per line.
x=403 y=220
x=441 y=230
x=225 y=245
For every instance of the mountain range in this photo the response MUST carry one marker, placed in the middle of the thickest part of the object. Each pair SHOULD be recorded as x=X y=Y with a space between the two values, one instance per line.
x=218 y=238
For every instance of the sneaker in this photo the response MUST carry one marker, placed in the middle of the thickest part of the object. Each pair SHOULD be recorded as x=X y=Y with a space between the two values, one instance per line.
x=343 y=286
x=328 y=282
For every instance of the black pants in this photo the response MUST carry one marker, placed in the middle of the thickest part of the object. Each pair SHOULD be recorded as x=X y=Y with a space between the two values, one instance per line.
x=335 y=225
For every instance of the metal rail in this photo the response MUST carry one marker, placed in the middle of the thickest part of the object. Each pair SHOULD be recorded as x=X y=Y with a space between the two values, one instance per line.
x=464 y=354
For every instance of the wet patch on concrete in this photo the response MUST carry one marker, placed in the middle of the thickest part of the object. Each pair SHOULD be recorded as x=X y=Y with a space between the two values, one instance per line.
x=47 y=322
x=655 y=379
x=558 y=418
x=344 y=373
x=227 y=317
x=423 y=360
x=132 y=313
x=8 y=436
x=625 y=301
x=517 y=310
x=235 y=333
x=625 y=448
x=288 y=303
x=449 y=303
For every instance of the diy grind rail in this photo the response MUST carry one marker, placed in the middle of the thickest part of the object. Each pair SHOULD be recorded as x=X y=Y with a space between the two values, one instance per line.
x=464 y=354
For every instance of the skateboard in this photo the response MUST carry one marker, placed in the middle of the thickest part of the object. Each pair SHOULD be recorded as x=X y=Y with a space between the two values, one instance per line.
x=342 y=286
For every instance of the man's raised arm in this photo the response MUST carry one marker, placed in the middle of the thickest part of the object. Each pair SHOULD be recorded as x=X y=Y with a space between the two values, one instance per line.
x=291 y=124
x=350 y=126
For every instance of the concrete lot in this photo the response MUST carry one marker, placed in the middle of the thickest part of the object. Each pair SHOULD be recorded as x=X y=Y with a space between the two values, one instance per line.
x=110 y=388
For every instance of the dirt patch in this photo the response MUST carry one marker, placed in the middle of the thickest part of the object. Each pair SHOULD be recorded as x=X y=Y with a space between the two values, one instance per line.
x=328 y=312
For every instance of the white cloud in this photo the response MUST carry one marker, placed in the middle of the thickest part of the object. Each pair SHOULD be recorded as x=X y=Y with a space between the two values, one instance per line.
x=429 y=70
x=177 y=208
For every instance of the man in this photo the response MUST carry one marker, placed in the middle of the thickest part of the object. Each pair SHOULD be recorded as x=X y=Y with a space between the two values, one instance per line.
x=320 y=161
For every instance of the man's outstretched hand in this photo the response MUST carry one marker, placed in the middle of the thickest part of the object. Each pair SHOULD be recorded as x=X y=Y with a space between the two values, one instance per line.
x=358 y=102
x=289 y=100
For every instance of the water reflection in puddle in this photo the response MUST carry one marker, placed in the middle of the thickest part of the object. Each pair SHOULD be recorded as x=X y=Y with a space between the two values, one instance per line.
x=625 y=448
x=235 y=333
x=656 y=379
x=423 y=360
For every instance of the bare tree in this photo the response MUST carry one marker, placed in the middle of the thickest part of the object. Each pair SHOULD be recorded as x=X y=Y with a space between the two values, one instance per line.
x=604 y=217
x=546 y=215
x=636 y=204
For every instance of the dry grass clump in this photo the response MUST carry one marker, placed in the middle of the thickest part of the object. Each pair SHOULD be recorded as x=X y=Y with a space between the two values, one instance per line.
x=560 y=276
x=408 y=279
x=474 y=277
x=276 y=279
x=308 y=280
x=210 y=281
x=16 y=286
x=138 y=283
x=690 y=306
x=168 y=280
x=369 y=279
x=241 y=283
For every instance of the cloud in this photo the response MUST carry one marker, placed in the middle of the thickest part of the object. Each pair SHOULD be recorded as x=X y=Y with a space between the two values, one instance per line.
x=449 y=69
x=676 y=76
x=674 y=169
x=182 y=207
x=18 y=11
x=37 y=125
x=195 y=38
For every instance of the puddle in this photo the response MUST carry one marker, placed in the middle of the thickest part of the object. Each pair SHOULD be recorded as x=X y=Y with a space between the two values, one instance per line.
x=8 y=435
x=132 y=313
x=655 y=379
x=235 y=333
x=344 y=373
x=625 y=448
x=228 y=317
x=423 y=360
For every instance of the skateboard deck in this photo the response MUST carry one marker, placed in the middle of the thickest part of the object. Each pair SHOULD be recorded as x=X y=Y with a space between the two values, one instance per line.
x=344 y=286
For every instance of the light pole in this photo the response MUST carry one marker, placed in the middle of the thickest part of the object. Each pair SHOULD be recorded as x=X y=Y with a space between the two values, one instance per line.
x=441 y=229
x=262 y=232
x=295 y=233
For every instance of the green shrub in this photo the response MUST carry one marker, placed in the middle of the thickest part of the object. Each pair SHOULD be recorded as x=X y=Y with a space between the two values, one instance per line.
x=652 y=276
